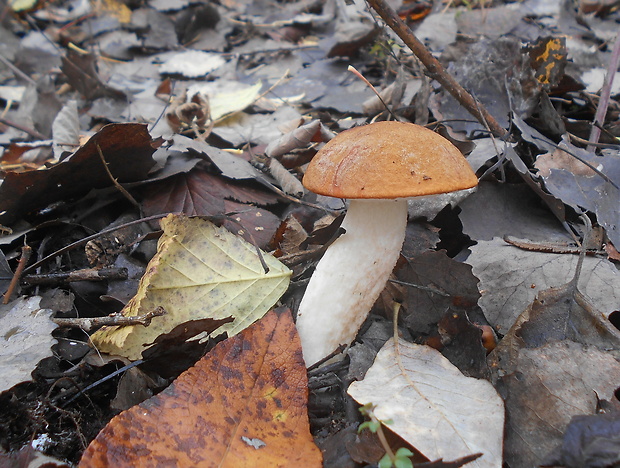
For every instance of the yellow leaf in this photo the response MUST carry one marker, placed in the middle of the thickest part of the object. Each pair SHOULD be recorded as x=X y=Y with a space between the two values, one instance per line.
x=223 y=104
x=20 y=6
x=118 y=10
x=199 y=271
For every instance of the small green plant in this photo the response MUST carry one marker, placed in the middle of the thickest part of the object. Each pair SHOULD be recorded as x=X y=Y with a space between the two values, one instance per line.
x=383 y=48
x=400 y=459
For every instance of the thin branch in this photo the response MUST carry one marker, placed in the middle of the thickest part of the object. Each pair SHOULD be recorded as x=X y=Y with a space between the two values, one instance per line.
x=603 y=102
x=114 y=320
x=26 y=251
x=120 y=188
x=85 y=240
x=353 y=70
x=30 y=131
x=435 y=69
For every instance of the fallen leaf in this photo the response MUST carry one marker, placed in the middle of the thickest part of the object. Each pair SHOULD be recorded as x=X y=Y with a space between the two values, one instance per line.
x=589 y=440
x=227 y=97
x=563 y=313
x=199 y=271
x=126 y=148
x=231 y=166
x=475 y=69
x=66 y=130
x=431 y=405
x=590 y=192
x=543 y=388
x=199 y=193
x=498 y=210
x=244 y=404
x=192 y=63
x=300 y=137
x=6 y=274
x=440 y=283
x=25 y=339
x=81 y=72
x=510 y=279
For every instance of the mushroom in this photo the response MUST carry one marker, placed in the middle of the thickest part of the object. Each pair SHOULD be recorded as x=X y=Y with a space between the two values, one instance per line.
x=377 y=166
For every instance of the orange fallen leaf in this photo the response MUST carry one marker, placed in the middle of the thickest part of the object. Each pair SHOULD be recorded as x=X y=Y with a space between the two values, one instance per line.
x=244 y=404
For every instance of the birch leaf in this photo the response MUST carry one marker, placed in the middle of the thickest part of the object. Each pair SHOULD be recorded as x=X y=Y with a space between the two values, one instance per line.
x=199 y=271
x=430 y=404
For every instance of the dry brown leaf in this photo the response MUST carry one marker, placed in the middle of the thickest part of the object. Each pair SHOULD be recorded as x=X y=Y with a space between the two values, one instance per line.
x=244 y=404
x=560 y=159
x=127 y=149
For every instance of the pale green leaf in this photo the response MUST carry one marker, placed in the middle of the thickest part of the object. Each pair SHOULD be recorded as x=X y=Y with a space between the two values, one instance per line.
x=200 y=271
x=227 y=103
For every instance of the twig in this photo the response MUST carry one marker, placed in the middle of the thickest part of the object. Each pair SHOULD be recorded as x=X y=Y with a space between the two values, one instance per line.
x=87 y=274
x=229 y=217
x=85 y=240
x=435 y=69
x=16 y=70
x=30 y=131
x=121 y=189
x=353 y=70
x=419 y=286
x=26 y=251
x=603 y=102
x=114 y=320
x=102 y=380
x=548 y=247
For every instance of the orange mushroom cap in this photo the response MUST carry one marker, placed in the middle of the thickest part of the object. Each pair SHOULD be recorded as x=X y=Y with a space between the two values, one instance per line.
x=388 y=160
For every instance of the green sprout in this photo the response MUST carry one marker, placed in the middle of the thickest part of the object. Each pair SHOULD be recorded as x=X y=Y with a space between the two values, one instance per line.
x=400 y=459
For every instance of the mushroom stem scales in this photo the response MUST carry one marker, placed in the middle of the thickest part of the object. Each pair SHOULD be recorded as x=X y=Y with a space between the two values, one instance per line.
x=350 y=276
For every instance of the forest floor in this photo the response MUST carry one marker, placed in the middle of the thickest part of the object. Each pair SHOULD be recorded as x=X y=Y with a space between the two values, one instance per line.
x=146 y=146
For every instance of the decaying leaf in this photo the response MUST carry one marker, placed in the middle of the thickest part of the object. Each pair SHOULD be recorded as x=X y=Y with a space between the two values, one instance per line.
x=25 y=339
x=510 y=279
x=81 y=72
x=563 y=313
x=442 y=283
x=543 y=388
x=199 y=193
x=126 y=148
x=557 y=360
x=432 y=405
x=199 y=271
x=244 y=404
x=592 y=440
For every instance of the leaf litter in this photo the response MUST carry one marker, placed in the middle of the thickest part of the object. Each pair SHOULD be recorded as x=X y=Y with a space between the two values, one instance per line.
x=207 y=137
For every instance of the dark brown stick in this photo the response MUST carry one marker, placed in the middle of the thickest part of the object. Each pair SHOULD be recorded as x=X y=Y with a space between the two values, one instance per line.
x=435 y=69
x=88 y=274
x=23 y=261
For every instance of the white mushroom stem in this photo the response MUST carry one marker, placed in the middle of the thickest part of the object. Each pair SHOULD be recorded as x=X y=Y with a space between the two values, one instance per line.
x=350 y=276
